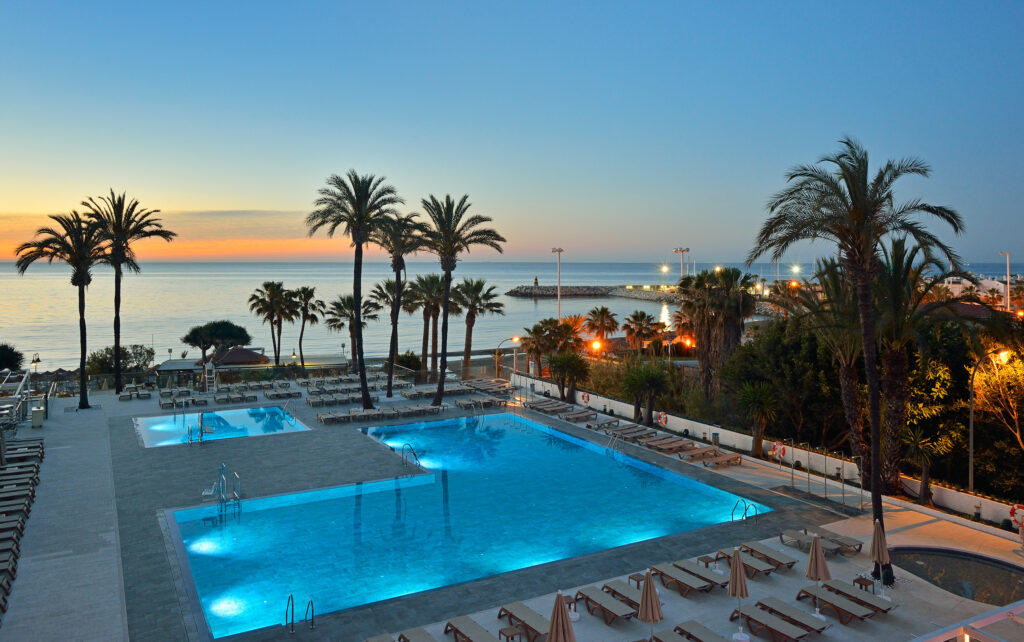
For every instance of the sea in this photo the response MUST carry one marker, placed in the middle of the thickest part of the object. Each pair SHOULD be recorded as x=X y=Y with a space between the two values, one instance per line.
x=39 y=310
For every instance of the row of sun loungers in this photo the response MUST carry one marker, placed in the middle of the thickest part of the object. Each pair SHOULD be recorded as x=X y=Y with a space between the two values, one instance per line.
x=319 y=401
x=360 y=414
x=18 y=481
x=482 y=402
x=282 y=394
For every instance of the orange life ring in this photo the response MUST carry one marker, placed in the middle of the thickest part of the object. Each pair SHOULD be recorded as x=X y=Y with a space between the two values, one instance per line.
x=778 y=450
x=1018 y=509
x=662 y=418
x=586 y=397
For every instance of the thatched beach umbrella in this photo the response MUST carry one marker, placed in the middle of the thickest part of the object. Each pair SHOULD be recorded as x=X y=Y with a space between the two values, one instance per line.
x=650 y=603
x=737 y=581
x=561 y=626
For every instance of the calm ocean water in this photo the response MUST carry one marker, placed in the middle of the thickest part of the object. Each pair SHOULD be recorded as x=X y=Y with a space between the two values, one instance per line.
x=39 y=310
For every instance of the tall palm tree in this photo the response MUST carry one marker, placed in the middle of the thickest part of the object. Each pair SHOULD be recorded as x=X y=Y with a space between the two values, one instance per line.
x=538 y=341
x=358 y=205
x=341 y=313
x=79 y=243
x=577 y=323
x=475 y=298
x=450 y=233
x=424 y=292
x=399 y=235
x=601 y=322
x=922 y=449
x=274 y=304
x=567 y=369
x=854 y=210
x=640 y=327
x=1017 y=296
x=310 y=309
x=760 y=406
x=644 y=381
x=122 y=223
x=736 y=306
x=700 y=305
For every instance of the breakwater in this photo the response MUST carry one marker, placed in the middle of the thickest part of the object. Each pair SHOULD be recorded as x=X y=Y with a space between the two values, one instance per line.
x=592 y=291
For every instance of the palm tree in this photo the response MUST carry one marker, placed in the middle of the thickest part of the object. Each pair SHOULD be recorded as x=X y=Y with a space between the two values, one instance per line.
x=399 y=235
x=577 y=323
x=426 y=294
x=450 y=234
x=855 y=211
x=699 y=305
x=644 y=381
x=122 y=223
x=567 y=369
x=736 y=306
x=79 y=243
x=358 y=205
x=1017 y=296
x=475 y=298
x=992 y=297
x=274 y=305
x=341 y=313
x=922 y=449
x=536 y=342
x=310 y=311
x=640 y=327
x=601 y=322
x=760 y=406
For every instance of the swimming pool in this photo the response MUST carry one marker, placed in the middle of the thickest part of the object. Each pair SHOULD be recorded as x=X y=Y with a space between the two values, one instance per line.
x=171 y=430
x=504 y=493
x=975 y=577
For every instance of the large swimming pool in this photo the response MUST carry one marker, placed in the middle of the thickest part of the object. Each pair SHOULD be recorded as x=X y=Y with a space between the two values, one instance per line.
x=171 y=430
x=504 y=493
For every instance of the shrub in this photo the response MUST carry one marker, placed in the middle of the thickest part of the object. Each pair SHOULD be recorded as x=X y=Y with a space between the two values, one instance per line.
x=10 y=358
x=408 y=360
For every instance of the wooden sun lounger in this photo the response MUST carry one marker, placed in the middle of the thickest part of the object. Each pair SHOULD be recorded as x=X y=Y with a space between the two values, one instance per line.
x=672 y=446
x=844 y=609
x=532 y=622
x=702 y=572
x=768 y=554
x=793 y=615
x=693 y=630
x=597 y=600
x=751 y=565
x=845 y=542
x=636 y=437
x=604 y=423
x=801 y=541
x=671 y=577
x=656 y=438
x=699 y=453
x=578 y=415
x=624 y=592
x=758 y=619
x=854 y=594
x=464 y=629
x=724 y=459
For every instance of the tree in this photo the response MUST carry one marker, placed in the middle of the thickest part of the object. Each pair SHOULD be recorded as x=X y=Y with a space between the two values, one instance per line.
x=425 y=295
x=10 y=358
x=601 y=322
x=1017 y=296
x=475 y=298
x=644 y=381
x=922 y=449
x=274 y=305
x=122 y=223
x=134 y=358
x=567 y=369
x=198 y=338
x=855 y=211
x=450 y=233
x=640 y=327
x=79 y=243
x=931 y=424
x=358 y=205
x=736 y=304
x=398 y=235
x=341 y=314
x=999 y=393
x=759 y=405
x=992 y=297
x=310 y=309
x=216 y=334
x=576 y=322
x=699 y=306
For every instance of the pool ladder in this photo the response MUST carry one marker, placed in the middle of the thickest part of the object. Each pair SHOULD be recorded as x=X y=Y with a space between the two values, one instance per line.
x=289 y=614
x=409 y=454
x=747 y=507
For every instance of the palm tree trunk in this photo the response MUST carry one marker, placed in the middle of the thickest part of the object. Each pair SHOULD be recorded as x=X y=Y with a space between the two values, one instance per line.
x=867 y=333
x=924 y=495
x=426 y=340
x=894 y=386
x=396 y=304
x=83 y=392
x=357 y=299
x=649 y=410
x=433 y=341
x=352 y=340
x=280 y=326
x=117 y=329
x=850 y=398
x=439 y=397
x=273 y=339
x=757 y=446
x=302 y=357
x=470 y=322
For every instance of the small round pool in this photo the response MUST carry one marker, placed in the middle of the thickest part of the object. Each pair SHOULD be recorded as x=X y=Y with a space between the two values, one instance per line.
x=975 y=577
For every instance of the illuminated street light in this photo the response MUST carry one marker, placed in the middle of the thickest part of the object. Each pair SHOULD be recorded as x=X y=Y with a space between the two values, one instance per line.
x=794 y=284
x=681 y=251
x=718 y=268
x=596 y=345
x=1007 y=255
x=497 y=357
x=796 y=269
x=1004 y=357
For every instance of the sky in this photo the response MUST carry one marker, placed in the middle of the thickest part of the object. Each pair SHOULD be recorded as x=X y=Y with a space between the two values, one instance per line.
x=614 y=130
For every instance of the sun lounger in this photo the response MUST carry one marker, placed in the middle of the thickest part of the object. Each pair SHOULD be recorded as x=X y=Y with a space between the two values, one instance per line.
x=623 y=592
x=416 y=635
x=143 y=395
x=793 y=615
x=758 y=619
x=768 y=554
x=465 y=629
x=751 y=564
x=9 y=566
x=532 y=622
x=803 y=541
x=844 y=609
x=725 y=459
x=636 y=437
x=699 y=453
x=854 y=594
x=597 y=600
x=604 y=423
x=693 y=630
x=671 y=577
x=578 y=415
x=124 y=396
x=166 y=405
x=844 y=542
x=702 y=572
x=671 y=446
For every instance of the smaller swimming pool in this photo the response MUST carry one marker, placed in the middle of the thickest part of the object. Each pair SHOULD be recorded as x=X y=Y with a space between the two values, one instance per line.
x=979 y=578
x=171 y=430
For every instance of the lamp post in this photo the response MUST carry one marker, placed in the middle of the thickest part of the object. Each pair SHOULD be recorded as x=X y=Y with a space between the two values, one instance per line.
x=681 y=251
x=664 y=271
x=1007 y=255
x=497 y=357
x=558 y=251
x=1004 y=356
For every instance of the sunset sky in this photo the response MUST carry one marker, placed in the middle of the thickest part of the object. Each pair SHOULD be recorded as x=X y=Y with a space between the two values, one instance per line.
x=614 y=130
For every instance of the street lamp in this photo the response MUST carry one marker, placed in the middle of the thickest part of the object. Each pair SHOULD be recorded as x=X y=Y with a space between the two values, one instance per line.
x=558 y=251
x=1004 y=356
x=596 y=346
x=497 y=357
x=35 y=362
x=718 y=268
x=681 y=251
x=294 y=357
x=1007 y=255
x=796 y=269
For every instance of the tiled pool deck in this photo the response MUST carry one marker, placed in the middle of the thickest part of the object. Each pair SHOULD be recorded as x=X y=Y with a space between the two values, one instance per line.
x=95 y=560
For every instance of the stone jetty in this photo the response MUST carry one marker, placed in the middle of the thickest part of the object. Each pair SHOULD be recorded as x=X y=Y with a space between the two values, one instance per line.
x=551 y=291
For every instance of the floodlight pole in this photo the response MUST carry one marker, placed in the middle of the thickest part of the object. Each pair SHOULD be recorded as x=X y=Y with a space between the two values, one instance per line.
x=558 y=251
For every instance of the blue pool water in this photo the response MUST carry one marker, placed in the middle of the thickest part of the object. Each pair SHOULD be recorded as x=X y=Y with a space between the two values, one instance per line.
x=504 y=493
x=170 y=430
